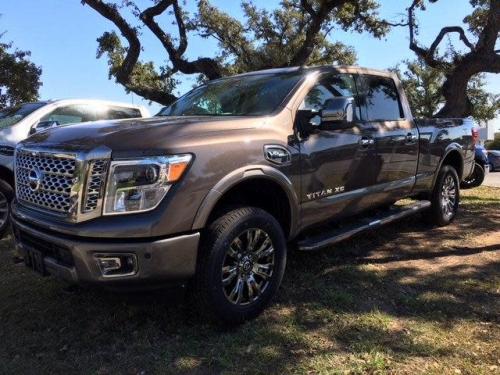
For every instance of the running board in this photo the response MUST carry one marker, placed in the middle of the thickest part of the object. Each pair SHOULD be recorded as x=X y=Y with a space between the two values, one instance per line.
x=336 y=235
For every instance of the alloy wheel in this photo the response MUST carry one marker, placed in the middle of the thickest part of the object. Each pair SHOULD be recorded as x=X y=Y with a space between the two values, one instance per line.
x=248 y=266
x=448 y=196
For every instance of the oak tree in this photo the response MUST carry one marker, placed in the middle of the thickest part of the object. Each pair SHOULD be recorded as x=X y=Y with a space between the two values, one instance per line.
x=19 y=77
x=423 y=87
x=478 y=55
x=295 y=33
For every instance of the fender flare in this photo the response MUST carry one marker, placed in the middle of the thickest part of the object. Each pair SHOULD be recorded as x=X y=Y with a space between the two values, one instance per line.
x=243 y=174
x=452 y=147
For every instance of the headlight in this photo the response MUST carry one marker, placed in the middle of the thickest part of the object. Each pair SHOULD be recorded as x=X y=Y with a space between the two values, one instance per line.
x=140 y=185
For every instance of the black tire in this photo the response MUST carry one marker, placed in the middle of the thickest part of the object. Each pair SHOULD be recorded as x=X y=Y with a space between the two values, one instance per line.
x=475 y=179
x=445 y=198
x=220 y=248
x=6 y=196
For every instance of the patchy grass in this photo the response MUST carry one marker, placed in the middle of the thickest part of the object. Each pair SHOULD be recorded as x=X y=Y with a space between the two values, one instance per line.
x=407 y=299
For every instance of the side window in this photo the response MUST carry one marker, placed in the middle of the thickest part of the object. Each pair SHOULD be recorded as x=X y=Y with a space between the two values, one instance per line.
x=380 y=98
x=116 y=113
x=332 y=86
x=70 y=114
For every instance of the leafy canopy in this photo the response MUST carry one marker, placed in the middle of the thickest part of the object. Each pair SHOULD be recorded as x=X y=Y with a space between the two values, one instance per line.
x=297 y=32
x=19 y=77
x=423 y=86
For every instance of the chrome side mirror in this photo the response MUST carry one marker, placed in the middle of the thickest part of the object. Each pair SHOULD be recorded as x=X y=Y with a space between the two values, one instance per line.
x=338 y=110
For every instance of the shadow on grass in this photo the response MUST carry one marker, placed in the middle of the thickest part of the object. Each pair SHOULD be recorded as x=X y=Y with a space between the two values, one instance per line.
x=331 y=302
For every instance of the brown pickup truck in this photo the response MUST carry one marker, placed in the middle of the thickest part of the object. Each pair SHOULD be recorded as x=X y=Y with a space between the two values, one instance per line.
x=213 y=190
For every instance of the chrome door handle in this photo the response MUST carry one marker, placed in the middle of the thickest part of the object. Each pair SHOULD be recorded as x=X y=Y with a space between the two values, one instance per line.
x=365 y=141
x=411 y=138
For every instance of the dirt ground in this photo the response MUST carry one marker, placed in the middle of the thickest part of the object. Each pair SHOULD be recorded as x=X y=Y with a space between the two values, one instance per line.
x=406 y=299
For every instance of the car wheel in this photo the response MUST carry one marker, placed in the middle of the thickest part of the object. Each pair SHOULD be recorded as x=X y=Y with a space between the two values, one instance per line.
x=6 y=195
x=445 y=197
x=240 y=266
x=475 y=179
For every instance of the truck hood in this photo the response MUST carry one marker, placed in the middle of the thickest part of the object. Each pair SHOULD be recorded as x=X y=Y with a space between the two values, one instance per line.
x=138 y=135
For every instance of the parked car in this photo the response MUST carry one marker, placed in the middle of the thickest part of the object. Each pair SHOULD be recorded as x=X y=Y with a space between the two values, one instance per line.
x=494 y=160
x=481 y=168
x=17 y=123
x=210 y=192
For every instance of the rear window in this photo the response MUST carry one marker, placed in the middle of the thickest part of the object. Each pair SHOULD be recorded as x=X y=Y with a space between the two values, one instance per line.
x=380 y=98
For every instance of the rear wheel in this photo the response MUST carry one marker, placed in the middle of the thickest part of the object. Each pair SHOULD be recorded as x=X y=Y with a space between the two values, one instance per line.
x=475 y=179
x=445 y=197
x=240 y=266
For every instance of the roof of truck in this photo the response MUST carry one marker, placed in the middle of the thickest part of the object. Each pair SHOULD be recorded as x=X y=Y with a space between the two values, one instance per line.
x=346 y=68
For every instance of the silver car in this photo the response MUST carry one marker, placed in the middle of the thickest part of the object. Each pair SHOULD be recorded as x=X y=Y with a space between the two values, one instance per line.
x=18 y=123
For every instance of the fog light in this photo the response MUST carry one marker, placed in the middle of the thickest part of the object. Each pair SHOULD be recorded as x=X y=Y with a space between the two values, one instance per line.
x=114 y=265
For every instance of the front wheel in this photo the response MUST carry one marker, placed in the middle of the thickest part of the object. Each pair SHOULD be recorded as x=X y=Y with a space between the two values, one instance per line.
x=445 y=197
x=240 y=266
x=6 y=195
x=475 y=179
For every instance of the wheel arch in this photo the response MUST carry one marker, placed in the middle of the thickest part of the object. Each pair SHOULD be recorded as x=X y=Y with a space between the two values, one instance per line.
x=7 y=175
x=272 y=183
x=454 y=158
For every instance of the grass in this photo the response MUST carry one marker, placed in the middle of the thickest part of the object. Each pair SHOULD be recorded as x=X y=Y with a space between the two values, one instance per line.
x=407 y=299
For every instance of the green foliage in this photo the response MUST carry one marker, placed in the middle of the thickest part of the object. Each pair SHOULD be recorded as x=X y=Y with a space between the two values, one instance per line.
x=423 y=86
x=267 y=39
x=144 y=74
x=297 y=32
x=19 y=77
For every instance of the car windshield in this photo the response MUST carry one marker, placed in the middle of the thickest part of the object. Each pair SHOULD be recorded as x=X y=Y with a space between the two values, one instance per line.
x=250 y=95
x=11 y=116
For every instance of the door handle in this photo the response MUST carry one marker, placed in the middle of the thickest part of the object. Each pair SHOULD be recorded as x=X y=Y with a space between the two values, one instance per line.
x=366 y=141
x=411 y=138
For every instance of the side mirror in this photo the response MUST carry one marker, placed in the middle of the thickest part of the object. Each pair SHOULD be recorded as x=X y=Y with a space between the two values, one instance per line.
x=338 y=111
x=43 y=125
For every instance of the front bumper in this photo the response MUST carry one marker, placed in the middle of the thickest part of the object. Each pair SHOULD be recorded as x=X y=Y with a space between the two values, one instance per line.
x=72 y=258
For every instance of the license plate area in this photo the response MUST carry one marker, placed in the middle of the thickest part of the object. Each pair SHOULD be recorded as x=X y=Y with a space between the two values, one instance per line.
x=34 y=259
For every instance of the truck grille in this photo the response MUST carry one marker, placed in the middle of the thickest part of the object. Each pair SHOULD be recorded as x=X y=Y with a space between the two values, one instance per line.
x=95 y=184
x=53 y=182
x=45 y=180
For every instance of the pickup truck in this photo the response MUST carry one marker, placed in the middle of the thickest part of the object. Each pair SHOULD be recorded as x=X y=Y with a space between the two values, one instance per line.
x=212 y=192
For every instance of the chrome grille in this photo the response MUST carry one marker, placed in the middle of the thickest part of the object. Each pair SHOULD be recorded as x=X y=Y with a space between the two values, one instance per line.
x=55 y=175
x=95 y=184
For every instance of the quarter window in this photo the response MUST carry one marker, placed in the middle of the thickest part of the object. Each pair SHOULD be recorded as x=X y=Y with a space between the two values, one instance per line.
x=379 y=99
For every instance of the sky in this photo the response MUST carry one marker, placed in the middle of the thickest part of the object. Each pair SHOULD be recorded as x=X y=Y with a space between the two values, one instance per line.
x=61 y=35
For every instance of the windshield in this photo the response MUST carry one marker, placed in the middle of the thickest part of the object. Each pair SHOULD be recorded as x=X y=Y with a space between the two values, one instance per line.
x=251 y=95
x=11 y=116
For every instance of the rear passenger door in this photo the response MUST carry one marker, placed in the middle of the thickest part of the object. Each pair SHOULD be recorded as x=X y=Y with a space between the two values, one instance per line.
x=396 y=137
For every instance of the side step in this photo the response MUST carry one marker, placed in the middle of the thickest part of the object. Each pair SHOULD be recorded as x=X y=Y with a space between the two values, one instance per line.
x=339 y=234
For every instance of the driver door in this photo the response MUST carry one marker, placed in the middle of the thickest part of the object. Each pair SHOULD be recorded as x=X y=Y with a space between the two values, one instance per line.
x=337 y=164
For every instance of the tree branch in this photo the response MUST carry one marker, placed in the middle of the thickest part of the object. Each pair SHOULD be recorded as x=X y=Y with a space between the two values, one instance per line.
x=110 y=12
x=126 y=68
x=318 y=17
x=205 y=65
x=447 y=30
